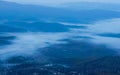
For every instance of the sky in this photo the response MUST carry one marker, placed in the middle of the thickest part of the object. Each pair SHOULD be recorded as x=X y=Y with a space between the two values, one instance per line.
x=58 y=2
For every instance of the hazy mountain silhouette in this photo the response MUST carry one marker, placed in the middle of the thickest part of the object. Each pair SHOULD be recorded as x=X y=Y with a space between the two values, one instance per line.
x=92 y=5
x=13 y=11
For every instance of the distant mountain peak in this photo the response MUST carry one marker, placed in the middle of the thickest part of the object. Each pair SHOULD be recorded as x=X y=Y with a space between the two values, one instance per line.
x=92 y=5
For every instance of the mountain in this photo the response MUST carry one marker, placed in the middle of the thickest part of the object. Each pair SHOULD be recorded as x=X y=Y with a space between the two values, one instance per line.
x=14 y=11
x=14 y=26
x=93 y=5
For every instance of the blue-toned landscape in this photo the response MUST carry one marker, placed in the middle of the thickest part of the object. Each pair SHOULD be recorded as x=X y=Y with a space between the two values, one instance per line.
x=77 y=38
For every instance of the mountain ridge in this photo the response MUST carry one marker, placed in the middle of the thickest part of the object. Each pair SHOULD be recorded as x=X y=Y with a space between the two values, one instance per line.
x=35 y=12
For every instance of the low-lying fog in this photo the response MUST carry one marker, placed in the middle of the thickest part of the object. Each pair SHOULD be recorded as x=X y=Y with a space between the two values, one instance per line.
x=103 y=32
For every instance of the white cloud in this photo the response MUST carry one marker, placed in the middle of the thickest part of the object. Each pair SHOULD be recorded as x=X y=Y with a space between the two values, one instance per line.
x=28 y=43
x=111 y=26
x=107 y=26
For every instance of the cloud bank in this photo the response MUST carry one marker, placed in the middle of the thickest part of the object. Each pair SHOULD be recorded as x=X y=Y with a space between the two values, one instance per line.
x=28 y=43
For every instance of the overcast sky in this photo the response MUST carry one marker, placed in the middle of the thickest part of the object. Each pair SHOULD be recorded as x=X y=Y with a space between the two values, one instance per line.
x=58 y=2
